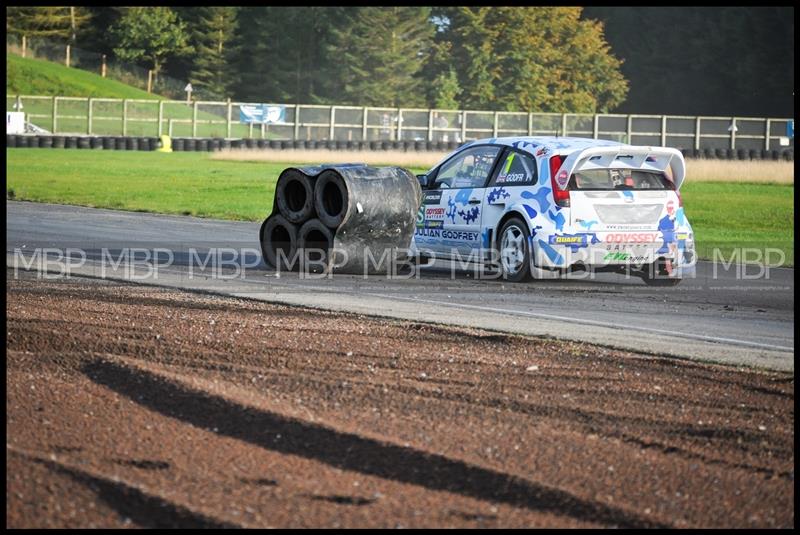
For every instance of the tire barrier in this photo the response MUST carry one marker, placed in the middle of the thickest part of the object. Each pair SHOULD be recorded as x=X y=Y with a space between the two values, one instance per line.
x=294 y=195
x=278 y=239
x=348 y=218
x=215 y=144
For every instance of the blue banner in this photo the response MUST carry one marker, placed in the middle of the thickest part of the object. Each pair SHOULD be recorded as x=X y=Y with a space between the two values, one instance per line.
x=261 y=113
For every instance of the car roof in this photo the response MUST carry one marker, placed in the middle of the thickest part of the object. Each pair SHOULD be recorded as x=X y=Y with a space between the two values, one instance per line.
x=540 y=145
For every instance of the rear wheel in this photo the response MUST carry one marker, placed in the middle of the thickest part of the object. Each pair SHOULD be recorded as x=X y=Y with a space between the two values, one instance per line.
x=514 y=250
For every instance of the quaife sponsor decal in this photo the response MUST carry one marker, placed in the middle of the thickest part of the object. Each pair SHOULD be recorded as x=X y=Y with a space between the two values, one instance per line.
x=630 y=237
x=577 y=239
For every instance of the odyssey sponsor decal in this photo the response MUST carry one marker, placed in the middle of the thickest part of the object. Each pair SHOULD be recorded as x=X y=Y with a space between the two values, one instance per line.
x=430 y=217
x=629 y=237
x=434 y=213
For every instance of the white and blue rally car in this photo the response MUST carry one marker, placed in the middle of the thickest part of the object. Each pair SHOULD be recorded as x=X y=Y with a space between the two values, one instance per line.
x=543 y=207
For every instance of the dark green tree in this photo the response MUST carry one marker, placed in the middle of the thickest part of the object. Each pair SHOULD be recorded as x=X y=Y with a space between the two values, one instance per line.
x=61 y=23
x=150 y=34
x=378 y=54
x=213 y=34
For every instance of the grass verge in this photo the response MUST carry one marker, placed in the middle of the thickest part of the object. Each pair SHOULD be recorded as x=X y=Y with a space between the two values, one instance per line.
x=724 y=215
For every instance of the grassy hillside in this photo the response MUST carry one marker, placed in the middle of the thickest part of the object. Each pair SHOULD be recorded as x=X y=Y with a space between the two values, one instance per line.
x=26 y=76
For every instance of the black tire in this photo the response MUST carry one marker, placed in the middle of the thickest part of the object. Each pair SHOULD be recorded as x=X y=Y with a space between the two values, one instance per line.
x=71 y=142
x=314 y=242
x=96 y=142
x=58 y=142
x=11 y=141
x=331 y=199
x=46 y=142
x=278 y=235
x=294 y=195
x=515 y=230
x=84 y=143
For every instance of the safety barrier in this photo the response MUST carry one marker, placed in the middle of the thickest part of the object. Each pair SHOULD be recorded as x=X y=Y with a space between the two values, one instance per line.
x=216 y=144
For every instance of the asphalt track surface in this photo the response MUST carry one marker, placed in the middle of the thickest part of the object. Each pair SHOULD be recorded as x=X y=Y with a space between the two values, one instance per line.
x=727 y=314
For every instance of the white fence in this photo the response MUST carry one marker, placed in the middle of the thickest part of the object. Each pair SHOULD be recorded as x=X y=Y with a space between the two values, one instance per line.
x=131 y=117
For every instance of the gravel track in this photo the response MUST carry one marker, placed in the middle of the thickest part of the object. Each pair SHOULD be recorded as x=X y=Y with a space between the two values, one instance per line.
x=139 y=406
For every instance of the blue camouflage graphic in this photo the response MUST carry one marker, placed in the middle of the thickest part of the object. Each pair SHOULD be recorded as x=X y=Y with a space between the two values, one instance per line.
x=470 y=215
x=497 y=193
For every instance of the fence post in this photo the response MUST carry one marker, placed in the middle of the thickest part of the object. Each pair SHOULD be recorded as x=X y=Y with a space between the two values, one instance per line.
x=564 y=124
x=494 y=126
x=194 y=119
x=125 y=117
x=55 y=113
x=103 y=67
x=230 y=115
x=663 y=130
x=89 y=122
x=430 y=125
x=629 y=137
x=296 y=122
x=24 y=46
x=331 y=127
x=733 y=132
x=169 y=131
x=463 y=126
x=530 y=123
x=766 y=134
x=160 y=116
x=67 y=61
x=596 y=126
x=697 y=133
x=149 y=80
x=399 y=124
x=364 y=124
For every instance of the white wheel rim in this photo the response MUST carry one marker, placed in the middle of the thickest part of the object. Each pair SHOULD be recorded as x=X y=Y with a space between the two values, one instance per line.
x=512 y=250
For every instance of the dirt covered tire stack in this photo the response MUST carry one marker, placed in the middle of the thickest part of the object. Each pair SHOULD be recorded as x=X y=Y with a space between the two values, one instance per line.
x=332 y=217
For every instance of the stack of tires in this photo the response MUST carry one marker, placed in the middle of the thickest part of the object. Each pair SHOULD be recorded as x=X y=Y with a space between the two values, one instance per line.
x=342 y=218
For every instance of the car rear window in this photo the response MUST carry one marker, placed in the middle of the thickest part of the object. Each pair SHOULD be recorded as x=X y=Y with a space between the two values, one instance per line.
x=608 y=179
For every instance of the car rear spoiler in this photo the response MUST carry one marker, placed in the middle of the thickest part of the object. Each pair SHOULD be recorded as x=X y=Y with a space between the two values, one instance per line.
x=624 y=157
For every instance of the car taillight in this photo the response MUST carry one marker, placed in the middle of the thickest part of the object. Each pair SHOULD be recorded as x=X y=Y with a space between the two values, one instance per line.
x=561 y=196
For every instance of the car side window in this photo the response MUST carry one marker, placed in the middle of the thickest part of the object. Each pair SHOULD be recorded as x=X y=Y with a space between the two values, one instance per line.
x=517 y=169
x=470 y=169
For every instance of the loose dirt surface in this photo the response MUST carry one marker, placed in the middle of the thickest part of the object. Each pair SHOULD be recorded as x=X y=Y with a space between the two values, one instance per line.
x=136 y=406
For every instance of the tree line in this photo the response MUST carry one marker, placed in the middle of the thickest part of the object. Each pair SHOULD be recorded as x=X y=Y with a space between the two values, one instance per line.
x=541 y=59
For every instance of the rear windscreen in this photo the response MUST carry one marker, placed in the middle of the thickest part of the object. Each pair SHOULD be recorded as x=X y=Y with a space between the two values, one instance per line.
x=606 y=179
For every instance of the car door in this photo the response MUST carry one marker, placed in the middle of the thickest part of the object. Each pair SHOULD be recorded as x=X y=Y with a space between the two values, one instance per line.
x=449 y=221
